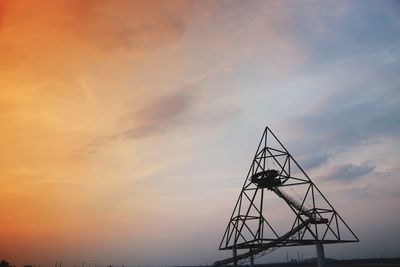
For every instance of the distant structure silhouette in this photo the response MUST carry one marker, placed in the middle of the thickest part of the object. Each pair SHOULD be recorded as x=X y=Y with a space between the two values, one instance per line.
x=313 y=219
x=4 y=263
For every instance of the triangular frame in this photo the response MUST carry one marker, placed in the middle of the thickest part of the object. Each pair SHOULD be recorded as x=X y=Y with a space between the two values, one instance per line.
x=249 y=229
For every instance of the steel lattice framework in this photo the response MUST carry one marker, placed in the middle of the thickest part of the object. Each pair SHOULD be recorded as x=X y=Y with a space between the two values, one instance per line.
x=313 y=218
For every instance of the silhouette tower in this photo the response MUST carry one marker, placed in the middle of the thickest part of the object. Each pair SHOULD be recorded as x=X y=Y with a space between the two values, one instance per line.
x=276 y=181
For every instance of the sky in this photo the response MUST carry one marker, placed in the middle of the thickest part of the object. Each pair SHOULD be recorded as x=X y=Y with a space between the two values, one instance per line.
x=127 y=127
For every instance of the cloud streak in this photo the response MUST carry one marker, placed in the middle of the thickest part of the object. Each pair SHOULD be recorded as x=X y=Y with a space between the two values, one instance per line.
x=129 y=26
x=178 y=110
x=160 y=115
x=156 y=117
x=349 y=172
x=312 y=160
x=360 y=110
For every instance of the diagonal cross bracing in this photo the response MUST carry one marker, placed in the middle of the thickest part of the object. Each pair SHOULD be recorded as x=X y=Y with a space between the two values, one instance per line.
x=275 y=171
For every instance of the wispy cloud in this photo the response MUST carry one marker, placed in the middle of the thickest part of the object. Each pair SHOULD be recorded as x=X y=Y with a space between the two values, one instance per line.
x=349 y=172
x=157 y=117
x=94 y=29
x=181 y=109
x=128 y=25
x=361 y=108
x=314 y=160
x=160 y=115
x=358 y=115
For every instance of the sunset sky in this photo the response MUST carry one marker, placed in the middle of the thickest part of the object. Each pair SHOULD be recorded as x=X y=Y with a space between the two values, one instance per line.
x=127 y=127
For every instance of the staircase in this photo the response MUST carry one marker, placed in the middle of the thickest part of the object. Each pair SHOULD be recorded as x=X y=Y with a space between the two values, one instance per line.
x=291 y=201
x=265 y=249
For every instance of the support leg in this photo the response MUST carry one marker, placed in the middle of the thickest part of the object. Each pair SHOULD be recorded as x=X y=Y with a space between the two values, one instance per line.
x=235 y=263
x=251 y=261
x=320 y=255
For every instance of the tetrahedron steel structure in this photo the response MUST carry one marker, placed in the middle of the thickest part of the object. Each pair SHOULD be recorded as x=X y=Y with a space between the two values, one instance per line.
x=275 y=176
